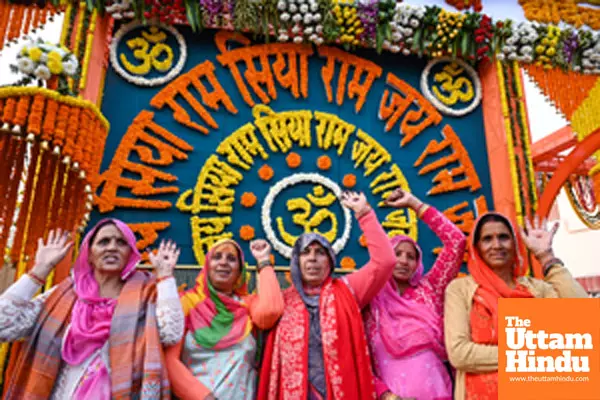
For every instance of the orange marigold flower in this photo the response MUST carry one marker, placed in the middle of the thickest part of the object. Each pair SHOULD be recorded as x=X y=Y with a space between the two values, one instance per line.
x=324 y=163
x=348 y=263
x=272 y=259
x=248 y=199
x=349 y=180
x=265 y=172
x=362 y=240
x=293 y=160
x=247 y=232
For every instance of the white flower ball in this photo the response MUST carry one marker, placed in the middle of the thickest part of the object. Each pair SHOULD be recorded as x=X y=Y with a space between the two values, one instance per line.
x=512 y=56
x=313 y=38
x=395 y=48
x=281 y=6
x=314 y=7
x=309 y=30
x=42 y=72
x=319 y=28
x=414 y=23
x=297 y=18
x=296 y=29
x=298 y=39
x=304 y=8
x=396 y=36
x=500 y=57
x=292 y=8
x=319 y=41
x=308 y=18
x=285 y=17
x=406 y=52
x=316 y=17
x=26 y=65
x=70 y=68
x=283 y=38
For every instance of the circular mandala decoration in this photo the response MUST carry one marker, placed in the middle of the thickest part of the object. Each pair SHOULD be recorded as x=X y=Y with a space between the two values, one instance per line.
x=454 y=83
x=278 y=245
x=150 y=53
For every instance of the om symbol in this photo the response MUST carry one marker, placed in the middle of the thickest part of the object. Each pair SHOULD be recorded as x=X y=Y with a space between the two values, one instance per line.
x=453 y=86
x=149 y=57
x=310 y=213
x=308 y=222
x=149 y=52
x=456 y=83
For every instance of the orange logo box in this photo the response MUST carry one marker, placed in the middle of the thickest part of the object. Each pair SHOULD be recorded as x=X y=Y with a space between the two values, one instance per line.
x=549 y=349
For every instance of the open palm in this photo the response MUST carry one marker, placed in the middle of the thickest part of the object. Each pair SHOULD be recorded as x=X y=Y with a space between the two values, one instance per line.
x=52 y=252
x=538 y=237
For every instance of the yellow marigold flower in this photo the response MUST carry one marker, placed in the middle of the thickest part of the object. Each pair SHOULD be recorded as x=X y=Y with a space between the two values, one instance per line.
x=54 y=55
x=35 y=54
x=551 y=51
x=24 y=51
x=540 y=49
x=55 y=67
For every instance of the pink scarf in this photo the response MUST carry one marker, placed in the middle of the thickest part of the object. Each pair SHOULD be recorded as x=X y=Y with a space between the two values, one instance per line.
x=405 y=326
x=92 y=315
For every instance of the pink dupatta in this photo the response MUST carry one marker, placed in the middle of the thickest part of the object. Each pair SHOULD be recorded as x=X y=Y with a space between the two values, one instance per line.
x=405 y=326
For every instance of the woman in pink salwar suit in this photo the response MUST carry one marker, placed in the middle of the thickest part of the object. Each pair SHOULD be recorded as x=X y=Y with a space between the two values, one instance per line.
x=405 y=320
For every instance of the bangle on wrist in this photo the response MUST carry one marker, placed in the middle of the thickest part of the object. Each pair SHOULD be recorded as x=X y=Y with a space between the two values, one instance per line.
x=263 y=264
x=551 y=263
x=36 y=278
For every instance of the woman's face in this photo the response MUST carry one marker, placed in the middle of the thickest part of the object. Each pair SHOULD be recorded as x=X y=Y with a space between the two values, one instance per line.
x=109 y=251
x=496 y=245
x=406 y=262
x=315 y=264
x=225 y=267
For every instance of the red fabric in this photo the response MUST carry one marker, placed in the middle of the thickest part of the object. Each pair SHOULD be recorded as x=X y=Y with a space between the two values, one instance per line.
x=484 y=312
x=284 y=373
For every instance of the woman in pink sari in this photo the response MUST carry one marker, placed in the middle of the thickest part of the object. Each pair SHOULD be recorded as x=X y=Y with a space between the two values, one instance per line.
x=405 y=320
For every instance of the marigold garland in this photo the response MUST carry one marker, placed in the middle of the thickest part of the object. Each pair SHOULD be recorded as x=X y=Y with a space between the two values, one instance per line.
x=266 y=172
x=248 y=199
x=246 y=233
x=293 y=160
x=349 y=181
x=324 y=163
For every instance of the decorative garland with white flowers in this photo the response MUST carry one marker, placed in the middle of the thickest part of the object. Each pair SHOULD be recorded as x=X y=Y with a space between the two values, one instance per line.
x=138 y=80
x=279 y=246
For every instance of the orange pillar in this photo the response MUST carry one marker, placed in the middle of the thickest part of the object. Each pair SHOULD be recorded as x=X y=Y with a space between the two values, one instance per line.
x=497 y=146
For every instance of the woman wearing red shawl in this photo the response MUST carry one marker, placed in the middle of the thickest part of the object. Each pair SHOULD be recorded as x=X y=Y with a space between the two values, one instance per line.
x=96 y=334
x=404 y=321
x=318 y=350
x=496 y=266
x=216 y=358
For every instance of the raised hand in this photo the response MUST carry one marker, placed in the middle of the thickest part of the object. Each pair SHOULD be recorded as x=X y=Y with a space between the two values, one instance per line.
x=538 y=238
x=165 y=259
x=356 y=201
x=51 y=253
x=261 y=250
x=401 y=199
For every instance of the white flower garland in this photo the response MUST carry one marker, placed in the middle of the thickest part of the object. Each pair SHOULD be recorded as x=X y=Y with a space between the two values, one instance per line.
x=437 y=103
x=141 y=81
x=282 y=248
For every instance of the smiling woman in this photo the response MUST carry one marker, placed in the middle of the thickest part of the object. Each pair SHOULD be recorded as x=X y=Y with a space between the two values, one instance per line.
x=216 y=357
x=497 y=264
